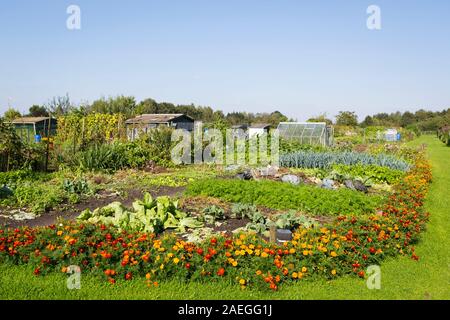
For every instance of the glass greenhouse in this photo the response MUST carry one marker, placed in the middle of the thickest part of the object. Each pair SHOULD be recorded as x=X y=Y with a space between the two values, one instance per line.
x=307 y=132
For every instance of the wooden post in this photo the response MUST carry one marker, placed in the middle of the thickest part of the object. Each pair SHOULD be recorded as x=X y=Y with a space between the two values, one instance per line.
x=48 y=142
x=273 y=234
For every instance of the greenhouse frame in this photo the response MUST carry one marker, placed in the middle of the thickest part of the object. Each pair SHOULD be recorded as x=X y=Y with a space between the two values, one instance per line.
x=318 y=133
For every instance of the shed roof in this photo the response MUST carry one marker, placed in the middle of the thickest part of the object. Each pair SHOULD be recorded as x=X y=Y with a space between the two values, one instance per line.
x=156 y=118
x=260 y=126
x=239 y=126
x=29 y=120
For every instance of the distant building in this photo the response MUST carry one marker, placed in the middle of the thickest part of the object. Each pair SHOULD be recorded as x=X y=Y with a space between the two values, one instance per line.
x=33 y=128
x=258 y=128
x=146 y=122
x=240 y=126
x=391 y=135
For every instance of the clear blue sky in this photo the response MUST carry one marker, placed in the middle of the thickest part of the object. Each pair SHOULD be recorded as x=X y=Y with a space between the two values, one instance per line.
x=300 y=57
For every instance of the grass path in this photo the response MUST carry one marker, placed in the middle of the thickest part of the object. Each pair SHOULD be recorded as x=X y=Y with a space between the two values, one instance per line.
x=402 y=278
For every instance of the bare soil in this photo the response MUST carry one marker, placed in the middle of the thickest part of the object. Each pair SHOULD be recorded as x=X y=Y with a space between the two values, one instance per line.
x=103 y=198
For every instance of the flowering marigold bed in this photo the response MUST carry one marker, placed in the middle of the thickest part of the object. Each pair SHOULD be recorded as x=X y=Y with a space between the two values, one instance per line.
x=346 y=246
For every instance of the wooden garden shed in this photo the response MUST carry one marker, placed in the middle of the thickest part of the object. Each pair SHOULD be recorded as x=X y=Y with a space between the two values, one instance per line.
x=146 y=122
x=29 y=127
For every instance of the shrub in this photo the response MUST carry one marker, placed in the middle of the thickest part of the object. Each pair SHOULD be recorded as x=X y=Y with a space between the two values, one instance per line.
x=279 y=195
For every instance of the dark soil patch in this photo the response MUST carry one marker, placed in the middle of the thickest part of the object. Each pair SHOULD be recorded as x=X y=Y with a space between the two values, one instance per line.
x=103 y=198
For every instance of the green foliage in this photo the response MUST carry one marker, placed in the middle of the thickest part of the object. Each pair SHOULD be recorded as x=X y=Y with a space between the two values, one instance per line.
x=347 y=118
x=76 y=186
x=243 y=210
x=213 y=213
x=291 y=220
x=282 y=196
x=14 y=153
x=36 y=196
x=376 y=174
x=17 y=176
x=324 y=160
x=148 y=215
x=11 y=114
x=106 y=157
x=289 y=146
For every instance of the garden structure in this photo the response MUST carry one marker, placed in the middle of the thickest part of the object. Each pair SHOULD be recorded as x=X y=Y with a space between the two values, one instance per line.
x=29 y=127
x=318 y=133
x=145 y=122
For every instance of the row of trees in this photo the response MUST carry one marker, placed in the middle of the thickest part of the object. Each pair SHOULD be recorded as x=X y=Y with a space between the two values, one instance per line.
x=128 y=106
x=420 y=120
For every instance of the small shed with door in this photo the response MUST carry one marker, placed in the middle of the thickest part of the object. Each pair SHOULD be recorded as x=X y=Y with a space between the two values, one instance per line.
x=257 y=129
x=146 y=122
x=33 y=128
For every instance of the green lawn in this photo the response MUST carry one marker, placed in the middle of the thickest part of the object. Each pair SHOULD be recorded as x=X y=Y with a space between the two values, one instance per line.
x=402 y=278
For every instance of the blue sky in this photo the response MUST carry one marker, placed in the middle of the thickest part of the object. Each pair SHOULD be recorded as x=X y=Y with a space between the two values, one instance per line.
x=300 y=57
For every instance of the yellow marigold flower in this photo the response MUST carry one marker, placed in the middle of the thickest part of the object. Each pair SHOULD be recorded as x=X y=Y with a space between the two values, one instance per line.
x=258 y=272
x=175 y=248
x=176 y=260
x=250 y=252
x=237 y=252
x=170 y=255
x=59 y=233
x=242 y=252
x=305 y=252
x=242 y=282
x=333 y=254
x=295 y=275
x=304 y=269
x=333 y=272
x=161 y=266
x=303 y=245
x=252 y=246
x=300 y=275
x=264 y=255
x=234 y=263
x=257 y=252
x=292 y=251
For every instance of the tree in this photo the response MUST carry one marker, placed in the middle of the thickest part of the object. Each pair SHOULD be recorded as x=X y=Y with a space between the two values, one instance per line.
x=368 y=121
x=37 y=111
x=347 y=118
x=321 y=118
x=11 y=114
x=147 y=106
x=60 y=105
x=407 y=119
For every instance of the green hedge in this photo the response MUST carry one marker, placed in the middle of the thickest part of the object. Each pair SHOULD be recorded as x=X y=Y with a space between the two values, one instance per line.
x=278 y=195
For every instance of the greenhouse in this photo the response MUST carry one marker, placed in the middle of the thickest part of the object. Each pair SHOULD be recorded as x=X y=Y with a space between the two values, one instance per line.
x=307 y=132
